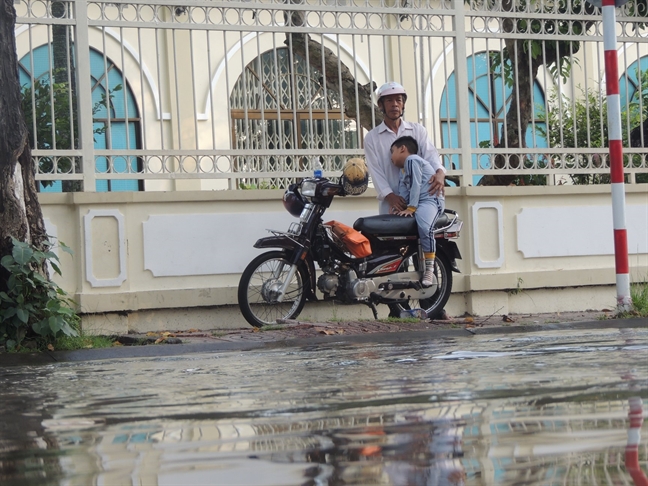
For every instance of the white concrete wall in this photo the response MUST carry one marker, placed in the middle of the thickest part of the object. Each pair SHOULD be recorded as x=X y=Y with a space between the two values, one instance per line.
x=172 y=260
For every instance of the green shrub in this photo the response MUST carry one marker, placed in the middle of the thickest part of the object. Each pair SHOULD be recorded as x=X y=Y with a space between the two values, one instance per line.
x=34 y=306
x=639 y=296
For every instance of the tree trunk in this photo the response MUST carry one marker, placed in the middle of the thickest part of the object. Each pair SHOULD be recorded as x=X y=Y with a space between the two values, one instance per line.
x=20 y=212
x=518 y=115
x=324 y=60
x=63 y=73
x=525 y=69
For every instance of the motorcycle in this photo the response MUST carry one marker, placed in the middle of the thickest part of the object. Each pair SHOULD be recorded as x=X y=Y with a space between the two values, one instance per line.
x=277 y=284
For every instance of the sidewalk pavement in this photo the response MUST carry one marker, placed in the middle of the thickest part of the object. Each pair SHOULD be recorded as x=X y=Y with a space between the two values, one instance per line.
x=299 y=333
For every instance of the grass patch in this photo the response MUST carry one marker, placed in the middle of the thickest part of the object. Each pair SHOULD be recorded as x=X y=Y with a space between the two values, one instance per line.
x=70 y=343
x=639 y=296
x=639 y=300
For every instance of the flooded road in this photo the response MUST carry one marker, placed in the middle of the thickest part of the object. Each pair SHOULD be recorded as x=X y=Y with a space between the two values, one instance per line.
x=543 y=408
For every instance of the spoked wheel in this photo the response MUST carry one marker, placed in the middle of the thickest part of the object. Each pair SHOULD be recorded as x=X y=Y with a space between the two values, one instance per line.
x=435 y=304
x=259 y=288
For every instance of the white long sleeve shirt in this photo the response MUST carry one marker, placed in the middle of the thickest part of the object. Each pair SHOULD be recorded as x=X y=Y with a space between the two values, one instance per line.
x=384 y=174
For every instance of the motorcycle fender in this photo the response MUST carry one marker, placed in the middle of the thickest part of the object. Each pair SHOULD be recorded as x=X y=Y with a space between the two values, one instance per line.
x=290 y=245
x=451 y=250
x=277 y=242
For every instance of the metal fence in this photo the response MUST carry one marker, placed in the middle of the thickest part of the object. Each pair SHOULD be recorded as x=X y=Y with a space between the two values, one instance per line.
x=125 y=95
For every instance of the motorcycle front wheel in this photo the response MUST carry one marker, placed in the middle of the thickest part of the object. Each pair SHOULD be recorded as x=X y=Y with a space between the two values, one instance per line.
x=435 y=304
x=259 y=286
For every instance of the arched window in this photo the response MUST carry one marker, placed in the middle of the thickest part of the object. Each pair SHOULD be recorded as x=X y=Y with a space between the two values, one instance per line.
x=629 y=83
x=116 y=119
x=281 y=103
x=633 y=96
x=486 y=96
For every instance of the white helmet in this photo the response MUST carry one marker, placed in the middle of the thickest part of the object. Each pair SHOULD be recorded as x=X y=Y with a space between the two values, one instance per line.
x=391 y=88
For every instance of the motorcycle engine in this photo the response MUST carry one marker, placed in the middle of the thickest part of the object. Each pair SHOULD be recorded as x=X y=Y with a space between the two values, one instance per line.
x=328 y=284
x=359 y=288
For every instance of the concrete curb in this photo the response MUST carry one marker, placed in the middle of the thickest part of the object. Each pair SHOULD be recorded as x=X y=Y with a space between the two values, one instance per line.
x=148 y=351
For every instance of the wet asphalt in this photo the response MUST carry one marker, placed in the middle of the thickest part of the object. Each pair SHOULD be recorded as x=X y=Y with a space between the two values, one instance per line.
x=216 y=346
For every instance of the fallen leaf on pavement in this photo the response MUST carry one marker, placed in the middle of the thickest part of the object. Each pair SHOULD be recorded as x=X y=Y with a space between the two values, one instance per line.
x=50 y=347
x=117 y=343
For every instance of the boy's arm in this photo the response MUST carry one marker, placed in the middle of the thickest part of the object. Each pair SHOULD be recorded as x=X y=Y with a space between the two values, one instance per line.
x=416 y=176
x=403 y=190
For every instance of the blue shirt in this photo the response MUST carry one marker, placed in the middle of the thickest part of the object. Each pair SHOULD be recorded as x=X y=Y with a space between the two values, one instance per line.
x=414 y=181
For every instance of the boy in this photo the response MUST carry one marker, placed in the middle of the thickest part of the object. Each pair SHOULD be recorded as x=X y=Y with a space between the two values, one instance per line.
x=414 y=176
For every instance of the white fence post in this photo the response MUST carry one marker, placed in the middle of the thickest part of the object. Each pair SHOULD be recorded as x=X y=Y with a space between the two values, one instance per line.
x=461 y=79
x=84 y=95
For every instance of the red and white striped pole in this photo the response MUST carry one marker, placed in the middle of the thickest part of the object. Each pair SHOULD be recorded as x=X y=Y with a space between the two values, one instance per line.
x=624 y=302
x=635 y=415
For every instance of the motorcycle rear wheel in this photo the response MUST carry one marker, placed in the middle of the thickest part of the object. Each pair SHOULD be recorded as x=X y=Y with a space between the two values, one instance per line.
x=435 y=304
x=257 y=290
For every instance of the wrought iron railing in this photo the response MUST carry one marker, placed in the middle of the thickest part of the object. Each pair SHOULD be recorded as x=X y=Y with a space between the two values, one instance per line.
x=129 y=95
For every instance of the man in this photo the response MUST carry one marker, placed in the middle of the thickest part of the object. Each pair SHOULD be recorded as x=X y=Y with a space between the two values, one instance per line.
x=391 y=102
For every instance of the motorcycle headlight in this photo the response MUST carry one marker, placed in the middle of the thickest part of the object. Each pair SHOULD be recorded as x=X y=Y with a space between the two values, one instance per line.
x=308 y=188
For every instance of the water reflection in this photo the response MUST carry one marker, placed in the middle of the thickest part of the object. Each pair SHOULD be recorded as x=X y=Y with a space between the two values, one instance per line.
x=547 y=408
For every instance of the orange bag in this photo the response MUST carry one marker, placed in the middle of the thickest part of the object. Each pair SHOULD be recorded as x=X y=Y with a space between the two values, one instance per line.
x=357 y=244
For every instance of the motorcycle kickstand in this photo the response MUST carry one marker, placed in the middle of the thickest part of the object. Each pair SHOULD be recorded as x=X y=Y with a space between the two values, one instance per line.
x=372 y=306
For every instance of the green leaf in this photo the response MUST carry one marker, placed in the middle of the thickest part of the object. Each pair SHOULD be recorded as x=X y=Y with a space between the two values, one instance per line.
x=69 y=330
x=38 y=327
x=53 y=305
x=65 y=248
x=39 y=279
x=7 y=261
x=22 y=253
x=23 y=315
x=55 y=267
x=55 y=324
x=66 y=311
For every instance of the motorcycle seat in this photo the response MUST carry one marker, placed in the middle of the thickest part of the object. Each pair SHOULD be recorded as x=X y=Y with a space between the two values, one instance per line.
x=391 y=224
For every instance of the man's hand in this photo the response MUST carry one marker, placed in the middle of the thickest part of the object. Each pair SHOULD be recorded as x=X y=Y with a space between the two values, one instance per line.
x=437 y=183
x=396 y=203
